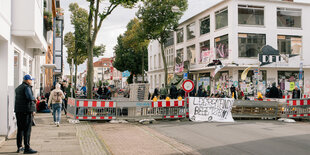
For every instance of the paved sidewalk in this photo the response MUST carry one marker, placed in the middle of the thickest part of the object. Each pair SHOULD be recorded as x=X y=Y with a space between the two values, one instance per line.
x=136 y=139
x=49 y=139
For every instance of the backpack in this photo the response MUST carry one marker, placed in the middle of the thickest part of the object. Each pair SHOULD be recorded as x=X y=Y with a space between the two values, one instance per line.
x=57 y=96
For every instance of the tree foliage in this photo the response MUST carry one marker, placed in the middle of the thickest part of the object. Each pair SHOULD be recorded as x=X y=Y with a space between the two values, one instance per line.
x=97 y=15
x=126 y=58
x=159 y=19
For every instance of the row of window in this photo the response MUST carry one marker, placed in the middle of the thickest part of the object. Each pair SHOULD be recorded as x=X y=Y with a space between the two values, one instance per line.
x=247 y=15
x=250 y=45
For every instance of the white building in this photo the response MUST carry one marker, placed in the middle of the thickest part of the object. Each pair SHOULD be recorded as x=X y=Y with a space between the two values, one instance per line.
x=234 y=32
x=22 y=44
x=105 y=72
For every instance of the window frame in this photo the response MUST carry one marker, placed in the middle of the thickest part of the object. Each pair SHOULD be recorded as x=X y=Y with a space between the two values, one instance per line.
x=200 y=21
x=218 y=12
x=291 y=10
x=256 y=43
x=187 y=26
x=254 y=7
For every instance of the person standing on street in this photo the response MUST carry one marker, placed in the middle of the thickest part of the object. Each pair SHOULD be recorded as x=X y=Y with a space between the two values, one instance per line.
x=274 y=92
x=296 y=92
x=55 y=99
x=233 y=91
x=280 y=92
x=173 y=92
x=25 y=109
x=163 y=92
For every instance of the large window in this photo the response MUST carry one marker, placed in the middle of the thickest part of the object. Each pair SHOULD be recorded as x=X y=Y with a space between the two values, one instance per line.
x=250 y=15
x=250 y=44
x=170 y=40
x=221 y=18
x=180 y=35
x=289 y=44
x=205 y=25
x=151 y=63
x=205 y=52
x=221 y=46
x=169 y=56
x=191 y=54
x=289 y=17
x=190 y=30
x=180 y=56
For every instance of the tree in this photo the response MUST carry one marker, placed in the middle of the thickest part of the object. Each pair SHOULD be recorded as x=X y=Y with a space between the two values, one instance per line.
x=95 y=19
x=159 y=19
x=135 y=39
x=76 y=42
x=126 y=58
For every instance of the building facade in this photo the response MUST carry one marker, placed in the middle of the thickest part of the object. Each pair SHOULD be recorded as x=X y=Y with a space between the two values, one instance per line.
x=234 y=33
x=23 y=45
x=105 y=72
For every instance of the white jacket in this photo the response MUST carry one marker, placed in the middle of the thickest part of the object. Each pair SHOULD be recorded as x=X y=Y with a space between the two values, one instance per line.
x=53 y=96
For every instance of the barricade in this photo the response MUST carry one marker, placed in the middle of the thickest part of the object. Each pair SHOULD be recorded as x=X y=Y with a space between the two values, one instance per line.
x=296 y=108
x=172 y=108
x=255 y=109
x=86 y=109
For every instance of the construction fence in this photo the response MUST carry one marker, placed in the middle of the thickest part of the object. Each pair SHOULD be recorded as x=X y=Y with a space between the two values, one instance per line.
x=87 y=109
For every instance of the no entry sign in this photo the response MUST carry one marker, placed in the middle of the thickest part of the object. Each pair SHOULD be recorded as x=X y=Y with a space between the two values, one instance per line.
x=188 y=85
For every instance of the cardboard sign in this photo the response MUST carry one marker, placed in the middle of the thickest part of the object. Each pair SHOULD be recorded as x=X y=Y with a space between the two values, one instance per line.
x=210 y=109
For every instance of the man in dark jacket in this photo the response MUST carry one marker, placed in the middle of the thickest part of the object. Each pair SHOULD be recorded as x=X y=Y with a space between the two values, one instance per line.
x=173 y=92
x=296 y=93
x=233 y=91
x=274 y=92
x=25 y=109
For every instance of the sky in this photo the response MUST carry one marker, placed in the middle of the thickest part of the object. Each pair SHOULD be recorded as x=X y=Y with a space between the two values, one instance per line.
x=115 y=24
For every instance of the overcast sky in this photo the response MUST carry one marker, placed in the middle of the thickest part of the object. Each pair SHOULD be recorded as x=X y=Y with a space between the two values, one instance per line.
x=116 y=23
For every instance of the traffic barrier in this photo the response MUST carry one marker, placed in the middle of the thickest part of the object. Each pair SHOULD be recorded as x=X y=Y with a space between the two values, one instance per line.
x=171 y=109
x=86 y=109
x=255 y=109
x=296 y=108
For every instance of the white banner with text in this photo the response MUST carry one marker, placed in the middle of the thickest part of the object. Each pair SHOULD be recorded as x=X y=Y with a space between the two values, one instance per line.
x=210 y=109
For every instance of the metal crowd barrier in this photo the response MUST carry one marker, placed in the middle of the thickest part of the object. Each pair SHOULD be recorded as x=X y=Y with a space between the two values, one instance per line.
x=255 y=109
x=85 y=109
x=296 y=108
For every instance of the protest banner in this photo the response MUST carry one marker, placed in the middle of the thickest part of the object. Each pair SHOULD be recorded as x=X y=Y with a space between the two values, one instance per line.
x=210 y=109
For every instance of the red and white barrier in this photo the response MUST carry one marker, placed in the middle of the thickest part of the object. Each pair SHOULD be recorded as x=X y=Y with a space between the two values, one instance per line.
x=103 y=104
x=172 y=103
x=298 y=115
x=178 y=116
x=298 y=102
x=94 y=118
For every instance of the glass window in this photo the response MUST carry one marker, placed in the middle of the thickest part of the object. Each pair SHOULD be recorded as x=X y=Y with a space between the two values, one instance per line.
x=190 y=29
x=170 y=40
x=169 y=56
x=221 y=18
x=191 y=54
x=289 y=17
x=221 y=46
x=287 y=80
x=250 y=44
x=250 y=15
x=205 y=52
x=205 y=25
x=180 y=35
x=159 y=60
x=289 y=44
x=180 y=56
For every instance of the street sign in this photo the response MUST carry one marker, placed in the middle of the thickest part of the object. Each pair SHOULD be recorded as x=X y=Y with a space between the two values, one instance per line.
x=185 y=76
x=188 y=85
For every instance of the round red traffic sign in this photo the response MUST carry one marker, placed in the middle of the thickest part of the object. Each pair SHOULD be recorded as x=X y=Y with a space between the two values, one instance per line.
x=188 y=85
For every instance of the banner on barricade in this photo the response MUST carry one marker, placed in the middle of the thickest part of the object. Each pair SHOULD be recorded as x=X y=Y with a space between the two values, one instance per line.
x=210 y=109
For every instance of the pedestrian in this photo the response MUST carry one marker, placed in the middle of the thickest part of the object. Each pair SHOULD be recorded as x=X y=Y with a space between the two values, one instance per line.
x=280 y=92
x=173 y=92
x=240 y=94
x=296 y=93
x=55 y=99
x=233 y=91
x=200 y=91
x=155 y=94
x=163 y=92
x=274 y=93
x=83 y=89
x=25 y=110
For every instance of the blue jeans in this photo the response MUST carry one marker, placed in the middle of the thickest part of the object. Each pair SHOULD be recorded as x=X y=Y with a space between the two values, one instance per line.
x=56 y=111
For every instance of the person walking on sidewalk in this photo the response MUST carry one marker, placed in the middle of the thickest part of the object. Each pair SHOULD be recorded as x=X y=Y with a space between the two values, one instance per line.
x=55 y=99
x=25 y=108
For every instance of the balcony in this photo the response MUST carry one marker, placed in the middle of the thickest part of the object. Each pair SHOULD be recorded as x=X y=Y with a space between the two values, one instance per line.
x=27 y=23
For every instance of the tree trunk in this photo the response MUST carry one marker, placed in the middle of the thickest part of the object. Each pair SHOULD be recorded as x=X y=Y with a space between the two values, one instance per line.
x=75 y=79
x=142 y=65
x=90 y=71
x=165 y=62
